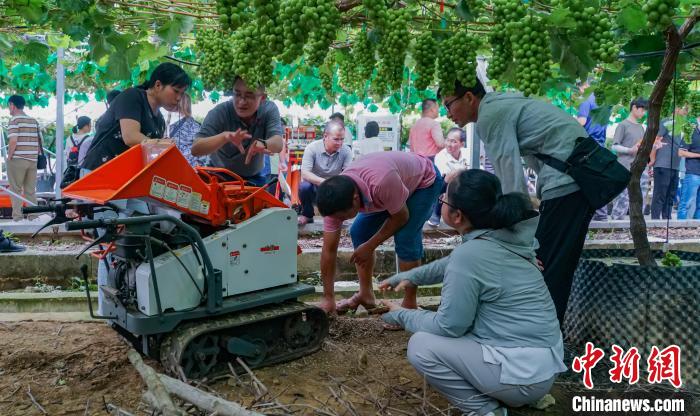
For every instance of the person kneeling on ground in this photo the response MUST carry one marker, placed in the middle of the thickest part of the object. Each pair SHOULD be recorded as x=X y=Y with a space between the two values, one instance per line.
x=495 y=338
x=394 y=193
x=322 y=159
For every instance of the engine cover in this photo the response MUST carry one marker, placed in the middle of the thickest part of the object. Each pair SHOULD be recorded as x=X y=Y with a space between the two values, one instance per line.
x=259 y=253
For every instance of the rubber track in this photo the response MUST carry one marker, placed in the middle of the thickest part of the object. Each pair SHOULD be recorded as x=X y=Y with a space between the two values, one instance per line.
x=175 y=343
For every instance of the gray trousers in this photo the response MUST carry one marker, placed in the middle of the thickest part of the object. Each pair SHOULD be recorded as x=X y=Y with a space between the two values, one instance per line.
x=455 y=367
x=621 y=204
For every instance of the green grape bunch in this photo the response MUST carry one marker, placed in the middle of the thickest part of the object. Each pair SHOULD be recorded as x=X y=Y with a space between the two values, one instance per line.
x=326 y=73
x=326 y=22
x=249 y=61
x=296 y=19
x=392 y=52
x=457 y=61
x=266 y=19
x=531 y=53
x=504 y=11
x=215 y=59
x=231 y=13
x=424 y=53
x=681 y=91
x=377 y=12
x=660 y=13
x=363 y=57
x=694 y=104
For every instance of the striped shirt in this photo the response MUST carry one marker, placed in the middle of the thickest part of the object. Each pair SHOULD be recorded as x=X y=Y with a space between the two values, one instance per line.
x=25 y=130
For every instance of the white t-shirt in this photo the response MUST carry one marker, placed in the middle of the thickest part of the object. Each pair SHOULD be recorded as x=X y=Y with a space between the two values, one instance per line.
x=447 y=164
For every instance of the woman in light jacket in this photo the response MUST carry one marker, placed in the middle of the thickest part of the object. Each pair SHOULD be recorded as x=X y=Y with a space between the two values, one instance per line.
x=495 y=339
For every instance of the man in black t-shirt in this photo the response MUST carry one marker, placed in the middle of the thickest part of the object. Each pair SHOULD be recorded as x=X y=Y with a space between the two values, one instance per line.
x=238 y=133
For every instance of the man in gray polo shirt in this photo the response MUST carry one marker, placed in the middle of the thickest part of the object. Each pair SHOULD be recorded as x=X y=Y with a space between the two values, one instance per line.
x=238 y=133
x=322 y=159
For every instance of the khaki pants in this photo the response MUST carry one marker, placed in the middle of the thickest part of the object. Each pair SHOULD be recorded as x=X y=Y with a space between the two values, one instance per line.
x=21 y=174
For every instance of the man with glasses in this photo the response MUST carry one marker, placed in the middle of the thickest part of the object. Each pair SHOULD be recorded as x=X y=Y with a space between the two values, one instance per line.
x=515 y=128
x=238 y=133
x=322 y=159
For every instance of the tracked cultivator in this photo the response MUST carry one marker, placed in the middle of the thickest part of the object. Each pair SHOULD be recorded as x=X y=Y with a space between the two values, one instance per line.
x=209 y=278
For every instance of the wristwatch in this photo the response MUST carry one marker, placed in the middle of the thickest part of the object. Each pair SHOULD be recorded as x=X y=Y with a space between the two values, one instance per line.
x=264 y=143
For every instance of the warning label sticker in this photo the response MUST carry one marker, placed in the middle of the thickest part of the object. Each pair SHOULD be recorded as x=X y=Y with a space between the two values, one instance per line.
x=196 y=202
x=183 y=196
x=157 y=187
x=235 y=258
x=205 y=208
x=171 y=191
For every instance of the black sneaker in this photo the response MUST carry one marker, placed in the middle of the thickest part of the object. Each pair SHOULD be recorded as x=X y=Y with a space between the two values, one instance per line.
x=8 y=246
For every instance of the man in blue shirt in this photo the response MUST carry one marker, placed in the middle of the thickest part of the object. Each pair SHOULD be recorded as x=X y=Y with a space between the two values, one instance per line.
x=595 y=130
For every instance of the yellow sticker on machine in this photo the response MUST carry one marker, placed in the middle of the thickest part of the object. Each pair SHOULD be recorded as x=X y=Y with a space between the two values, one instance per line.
x=157 y=187
x=183 y=196
x=171 y=191
x=196 y=202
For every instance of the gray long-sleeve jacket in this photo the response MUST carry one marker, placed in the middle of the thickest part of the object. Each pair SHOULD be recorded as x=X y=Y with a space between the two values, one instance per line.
x=513 y=126
x=492 y=292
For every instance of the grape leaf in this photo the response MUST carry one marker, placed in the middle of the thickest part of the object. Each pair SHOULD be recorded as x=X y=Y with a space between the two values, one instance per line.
x=632 y=18
x=35 y=52
x=171 y=30
x=561 y=18
x=99 y=47
x=117 y=67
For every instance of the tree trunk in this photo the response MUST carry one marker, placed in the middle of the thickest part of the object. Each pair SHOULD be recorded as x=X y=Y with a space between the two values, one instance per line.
x=159 y=393
x=204 y=400
x=638 y=227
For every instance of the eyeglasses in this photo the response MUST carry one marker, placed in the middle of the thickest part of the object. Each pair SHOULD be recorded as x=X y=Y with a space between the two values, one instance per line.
x=245 y=97
x=448 y=104
x=443 y=200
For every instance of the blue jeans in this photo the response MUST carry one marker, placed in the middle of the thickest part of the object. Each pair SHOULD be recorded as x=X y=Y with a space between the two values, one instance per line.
x=409 y=238
x=307 y=197
x=689 y=196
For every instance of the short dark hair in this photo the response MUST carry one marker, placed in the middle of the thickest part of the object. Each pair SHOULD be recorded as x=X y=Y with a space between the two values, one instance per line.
x=478 y=195
x=462 y=134
x=168 y=74
x=18 y=101
x=371 y=129
x=335 y=194
x=427 y=104
x=477 y=90
x=112 y=95
x=337 y=115
x=639 y=102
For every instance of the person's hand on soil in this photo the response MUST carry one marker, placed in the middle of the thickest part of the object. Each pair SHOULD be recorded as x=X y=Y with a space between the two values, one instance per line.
x=237 y=137
x=385 y=285
x=362 y=254
x=392 y=306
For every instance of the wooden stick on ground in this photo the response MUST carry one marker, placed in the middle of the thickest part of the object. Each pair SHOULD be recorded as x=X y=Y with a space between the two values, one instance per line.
x=165 y=403
x=255 y=379
x=36 y=404
x=204 y=400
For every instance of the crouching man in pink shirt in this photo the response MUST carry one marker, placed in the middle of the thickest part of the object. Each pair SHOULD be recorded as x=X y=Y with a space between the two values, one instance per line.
x=393 y=192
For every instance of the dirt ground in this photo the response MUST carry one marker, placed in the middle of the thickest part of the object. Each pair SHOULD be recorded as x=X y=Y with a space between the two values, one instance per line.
x=75 y=368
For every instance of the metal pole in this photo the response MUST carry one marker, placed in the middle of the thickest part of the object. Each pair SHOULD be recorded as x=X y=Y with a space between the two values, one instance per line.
x=60 y=90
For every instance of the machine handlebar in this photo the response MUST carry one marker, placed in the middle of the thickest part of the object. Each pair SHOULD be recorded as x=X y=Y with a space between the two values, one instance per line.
x=38 y=209
x=84 y=225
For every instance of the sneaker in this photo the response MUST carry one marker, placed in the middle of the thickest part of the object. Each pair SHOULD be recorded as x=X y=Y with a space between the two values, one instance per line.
x=8 y=246
x=434 y=221
x=302 y=221
x=501 y=411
